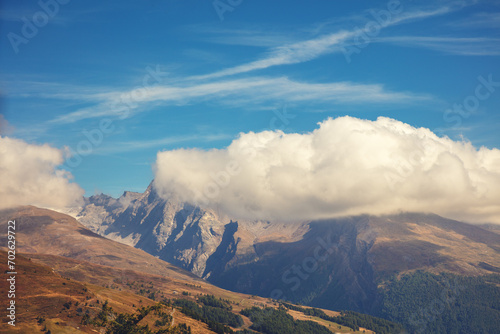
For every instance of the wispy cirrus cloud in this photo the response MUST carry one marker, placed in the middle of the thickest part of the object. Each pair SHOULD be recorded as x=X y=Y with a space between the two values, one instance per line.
x=310 y=49
x=478 y=20
x=127 y=146
x=465 y=46
x=259 y=89
x=255 y=89
x=25 y=87
x=256 y=36
x=17 y=15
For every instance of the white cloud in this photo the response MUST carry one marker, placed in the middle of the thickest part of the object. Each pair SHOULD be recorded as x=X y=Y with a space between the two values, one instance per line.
x=479 y=21
x=256 y=36
x=310 y=49
x=216 y=86
x=253 y=90
x=29 y=176
x=134 y=145
x=347 y=166
x=465 y=46
x=5 y=127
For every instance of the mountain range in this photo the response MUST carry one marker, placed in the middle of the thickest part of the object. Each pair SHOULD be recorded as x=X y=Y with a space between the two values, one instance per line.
x=144 y=264
x=340 y=263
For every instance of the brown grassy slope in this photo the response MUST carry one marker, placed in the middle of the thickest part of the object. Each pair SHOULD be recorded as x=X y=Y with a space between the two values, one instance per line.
x=48 y=232
x=416 y=241
x=41 y=291
x=143 y=284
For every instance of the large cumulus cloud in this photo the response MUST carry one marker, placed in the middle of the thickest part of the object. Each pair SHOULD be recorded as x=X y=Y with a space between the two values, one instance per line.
x=347 y=166
x=29 y=176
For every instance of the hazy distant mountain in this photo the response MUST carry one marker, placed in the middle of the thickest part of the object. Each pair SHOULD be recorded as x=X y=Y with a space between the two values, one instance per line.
x=289 y=260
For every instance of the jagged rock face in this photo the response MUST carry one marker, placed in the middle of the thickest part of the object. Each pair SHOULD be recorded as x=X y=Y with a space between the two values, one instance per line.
x=180 y=233
x=336 y=263
x=175 y=232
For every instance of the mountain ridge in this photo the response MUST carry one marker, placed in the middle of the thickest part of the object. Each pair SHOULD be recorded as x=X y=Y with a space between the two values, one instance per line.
x=256 y=257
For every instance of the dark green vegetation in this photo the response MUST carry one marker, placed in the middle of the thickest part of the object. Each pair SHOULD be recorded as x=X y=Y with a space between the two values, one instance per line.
x=277 y=321
x=211 y=300
x=353 y=320
x=446 y=303
x=125 y=323
x=216 y=317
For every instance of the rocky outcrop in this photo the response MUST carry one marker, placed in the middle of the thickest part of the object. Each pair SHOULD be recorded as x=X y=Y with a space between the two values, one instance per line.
x=179 y=233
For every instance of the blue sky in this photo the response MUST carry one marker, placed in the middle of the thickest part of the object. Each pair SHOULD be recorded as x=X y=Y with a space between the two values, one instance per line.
x=162 y=75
